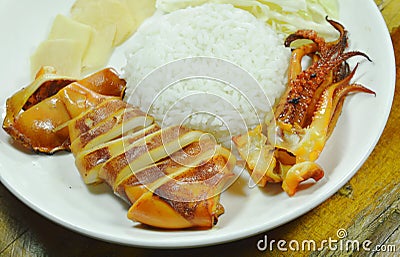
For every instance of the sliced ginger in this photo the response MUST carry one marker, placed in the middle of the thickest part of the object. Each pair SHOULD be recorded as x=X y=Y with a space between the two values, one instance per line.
x=85 y=41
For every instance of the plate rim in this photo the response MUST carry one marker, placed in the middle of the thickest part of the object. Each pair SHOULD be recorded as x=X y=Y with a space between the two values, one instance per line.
x=243 y=233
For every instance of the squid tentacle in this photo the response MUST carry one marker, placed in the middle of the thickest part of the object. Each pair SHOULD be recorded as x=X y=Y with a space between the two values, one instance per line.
x=301 y=172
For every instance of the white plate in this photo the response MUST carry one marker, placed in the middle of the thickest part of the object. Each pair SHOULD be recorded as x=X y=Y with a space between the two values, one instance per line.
x=51 y=185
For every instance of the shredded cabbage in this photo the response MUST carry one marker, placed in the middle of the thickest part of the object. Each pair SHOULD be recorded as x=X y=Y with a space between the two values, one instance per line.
x=285 y=16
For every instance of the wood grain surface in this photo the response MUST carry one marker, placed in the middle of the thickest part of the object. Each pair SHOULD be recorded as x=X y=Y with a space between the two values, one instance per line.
x=367 y=208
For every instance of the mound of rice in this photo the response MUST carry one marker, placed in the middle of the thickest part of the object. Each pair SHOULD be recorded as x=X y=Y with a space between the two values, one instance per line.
x=224 y=96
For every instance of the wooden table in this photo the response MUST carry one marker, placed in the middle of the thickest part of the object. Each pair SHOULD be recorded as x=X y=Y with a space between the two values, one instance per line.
x=368 y=208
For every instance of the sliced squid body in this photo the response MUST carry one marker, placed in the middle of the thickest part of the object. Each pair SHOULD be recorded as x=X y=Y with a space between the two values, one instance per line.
x=186 y=194
x=129 y=119
x=37 y=116
x=172 y=177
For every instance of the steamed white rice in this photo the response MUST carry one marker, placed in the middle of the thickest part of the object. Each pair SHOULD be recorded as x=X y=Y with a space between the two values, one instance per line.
x=247 y=85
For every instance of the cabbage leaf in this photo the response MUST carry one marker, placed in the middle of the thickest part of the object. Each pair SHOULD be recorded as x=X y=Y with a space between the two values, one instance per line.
x=285 y=16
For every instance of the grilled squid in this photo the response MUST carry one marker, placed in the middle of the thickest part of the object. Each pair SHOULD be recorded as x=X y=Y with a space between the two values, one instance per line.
x=306 y=114
x=37 y=116
x=171 y=177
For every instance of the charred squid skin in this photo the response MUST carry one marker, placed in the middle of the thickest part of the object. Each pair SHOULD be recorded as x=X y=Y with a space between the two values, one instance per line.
x=297 y=103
